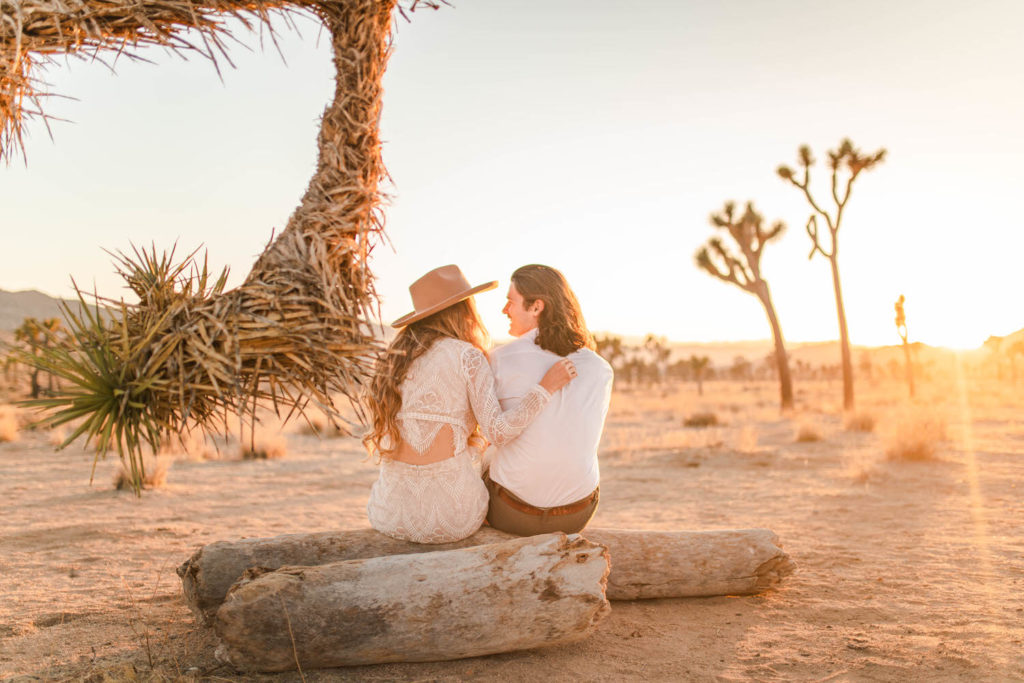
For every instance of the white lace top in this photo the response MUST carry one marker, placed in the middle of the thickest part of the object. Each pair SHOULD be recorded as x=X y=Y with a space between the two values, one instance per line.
x=450 y=384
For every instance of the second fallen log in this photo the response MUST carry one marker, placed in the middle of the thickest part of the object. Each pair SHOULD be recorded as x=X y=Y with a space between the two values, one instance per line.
x=514 y=595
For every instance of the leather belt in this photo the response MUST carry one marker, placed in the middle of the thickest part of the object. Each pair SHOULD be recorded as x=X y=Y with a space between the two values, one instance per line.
x=522 y=506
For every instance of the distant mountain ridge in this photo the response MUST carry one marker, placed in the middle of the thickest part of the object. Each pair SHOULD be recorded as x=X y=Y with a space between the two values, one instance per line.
x=30 y=303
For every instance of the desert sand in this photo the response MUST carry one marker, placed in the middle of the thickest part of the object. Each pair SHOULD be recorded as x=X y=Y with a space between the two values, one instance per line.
x=908 y=569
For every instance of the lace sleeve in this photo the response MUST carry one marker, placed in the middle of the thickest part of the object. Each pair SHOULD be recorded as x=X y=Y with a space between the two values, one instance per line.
x=498 y=427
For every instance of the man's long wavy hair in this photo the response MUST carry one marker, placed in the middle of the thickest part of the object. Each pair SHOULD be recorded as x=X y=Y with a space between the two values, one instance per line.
x=560 y=328
x=384 y=400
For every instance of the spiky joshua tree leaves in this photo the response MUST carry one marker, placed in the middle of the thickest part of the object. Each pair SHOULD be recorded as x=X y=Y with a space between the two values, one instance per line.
x=845 y=163
x=122 y=389
x=749 y=235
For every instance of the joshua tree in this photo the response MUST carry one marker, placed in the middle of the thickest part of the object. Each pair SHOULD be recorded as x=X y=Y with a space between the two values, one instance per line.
x=698 y=366
x=849 y=158
x=1005 y=348
x=300 y=330
x=609 y=347
x=1015 y=349
x=660 y=351
x=38 y=336
x=741 y=368
x=901 y=329
x=749 y=235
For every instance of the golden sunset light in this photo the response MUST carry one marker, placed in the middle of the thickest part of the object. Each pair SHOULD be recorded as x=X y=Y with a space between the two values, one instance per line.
x=478 y=340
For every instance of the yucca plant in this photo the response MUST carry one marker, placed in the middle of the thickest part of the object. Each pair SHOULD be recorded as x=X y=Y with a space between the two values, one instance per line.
x=302 y=326
x=115 y=363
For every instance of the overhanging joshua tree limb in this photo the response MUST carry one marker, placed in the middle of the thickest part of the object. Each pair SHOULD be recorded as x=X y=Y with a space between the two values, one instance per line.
x=849 y=158
x=299 y=328
x=749 y=234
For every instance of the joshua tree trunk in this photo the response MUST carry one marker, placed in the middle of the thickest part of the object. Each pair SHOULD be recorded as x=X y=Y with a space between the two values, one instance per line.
x=781 y=359
x=36 y=388
x=744 y=271
x=844 y=335
x=849 y=158
x=910 y=368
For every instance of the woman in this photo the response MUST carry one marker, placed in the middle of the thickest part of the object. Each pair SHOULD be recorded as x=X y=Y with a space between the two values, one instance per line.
x=432 y=388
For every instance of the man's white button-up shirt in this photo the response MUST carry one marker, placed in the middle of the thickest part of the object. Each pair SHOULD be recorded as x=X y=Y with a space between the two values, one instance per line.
x=553 y=461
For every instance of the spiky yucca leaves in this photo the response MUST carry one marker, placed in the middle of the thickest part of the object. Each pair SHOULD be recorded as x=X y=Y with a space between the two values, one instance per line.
x=298 y=330
x=126 y=370
x=189 y=355
x=35 y=34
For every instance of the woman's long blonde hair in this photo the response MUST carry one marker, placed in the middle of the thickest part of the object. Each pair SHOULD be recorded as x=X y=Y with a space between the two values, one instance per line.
x=459 y=321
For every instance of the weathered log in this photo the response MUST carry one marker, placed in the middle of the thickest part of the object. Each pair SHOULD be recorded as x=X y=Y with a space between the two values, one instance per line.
x=691 y=564
x=514 y=595
x=645 y=564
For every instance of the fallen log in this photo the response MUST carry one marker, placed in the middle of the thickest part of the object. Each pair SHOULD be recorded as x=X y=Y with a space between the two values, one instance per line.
x=645 y=564
x=513 y=595
x=691 y=564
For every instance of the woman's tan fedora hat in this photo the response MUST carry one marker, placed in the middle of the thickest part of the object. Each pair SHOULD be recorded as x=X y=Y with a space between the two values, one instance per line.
x=437 y=290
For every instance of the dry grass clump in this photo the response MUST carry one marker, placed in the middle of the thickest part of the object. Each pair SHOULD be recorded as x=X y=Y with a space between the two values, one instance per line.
x=701 y=420
x=916 y=437
x=153 y=476
x=265 y=446
x=808 y=432
x=57 y=436
x=192 y=446
x=746 y=440
x=633 y=443
x=317 y=423
x=8 y=424
x=860 y=422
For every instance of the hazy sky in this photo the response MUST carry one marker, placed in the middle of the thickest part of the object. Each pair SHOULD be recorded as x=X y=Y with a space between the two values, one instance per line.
x=593 y=136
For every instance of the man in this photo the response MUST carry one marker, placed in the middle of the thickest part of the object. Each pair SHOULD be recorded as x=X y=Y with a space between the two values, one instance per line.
x=547 y=478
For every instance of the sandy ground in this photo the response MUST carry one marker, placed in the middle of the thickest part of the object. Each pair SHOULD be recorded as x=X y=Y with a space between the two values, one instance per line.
x=906 y=570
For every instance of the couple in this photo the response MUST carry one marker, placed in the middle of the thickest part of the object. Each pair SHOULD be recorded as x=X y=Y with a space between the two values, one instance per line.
x=540 y=401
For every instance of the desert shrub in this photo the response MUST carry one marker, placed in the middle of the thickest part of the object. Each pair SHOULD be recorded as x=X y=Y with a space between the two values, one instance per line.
x=155 y=476
x=8 y=424
x=701 y=420
x=916 y=437
x=807 y=432
x=192 y=446
x=860 y=422
x=317 y=424
x=746 y=439
x=57 y=436
x=264 y=447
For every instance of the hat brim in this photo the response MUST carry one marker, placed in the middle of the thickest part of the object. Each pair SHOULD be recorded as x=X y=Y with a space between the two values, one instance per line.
x=441 y=305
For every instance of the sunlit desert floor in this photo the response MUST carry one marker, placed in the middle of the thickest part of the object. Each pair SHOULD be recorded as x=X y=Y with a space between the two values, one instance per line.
x=907 y=570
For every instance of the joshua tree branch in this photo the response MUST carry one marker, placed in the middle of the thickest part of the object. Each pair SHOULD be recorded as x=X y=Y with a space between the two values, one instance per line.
x=812 y=232
x=835 y=183
x=705 y=263
x=814 y=205
x=731 y=270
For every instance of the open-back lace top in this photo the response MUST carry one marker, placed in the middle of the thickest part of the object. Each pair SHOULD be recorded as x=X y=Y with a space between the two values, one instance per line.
x=450 y=384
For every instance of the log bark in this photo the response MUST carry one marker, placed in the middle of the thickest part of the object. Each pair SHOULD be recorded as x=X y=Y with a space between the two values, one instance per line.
x=645 y=564
x=691 y=564
x=513 y=595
